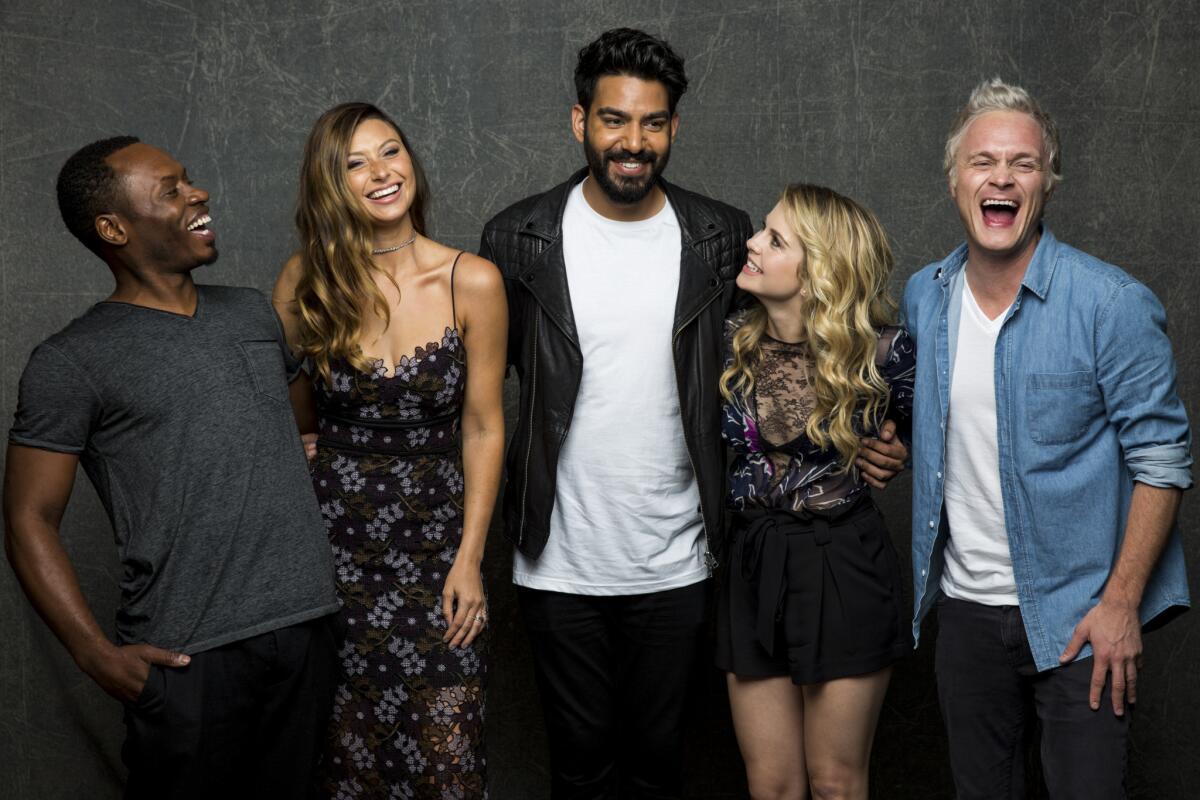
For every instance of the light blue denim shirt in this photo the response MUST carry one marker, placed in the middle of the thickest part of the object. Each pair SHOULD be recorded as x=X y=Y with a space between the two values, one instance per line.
x=1085 y=405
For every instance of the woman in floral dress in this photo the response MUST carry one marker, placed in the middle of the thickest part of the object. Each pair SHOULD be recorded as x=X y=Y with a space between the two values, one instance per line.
x=406 y=338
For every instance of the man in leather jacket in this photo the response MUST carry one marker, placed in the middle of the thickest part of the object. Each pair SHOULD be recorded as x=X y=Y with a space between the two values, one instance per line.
x=618 y=284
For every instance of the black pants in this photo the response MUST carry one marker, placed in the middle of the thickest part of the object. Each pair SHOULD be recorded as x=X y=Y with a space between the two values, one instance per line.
x=988 y=686
x=243 y=720
x=613 y=674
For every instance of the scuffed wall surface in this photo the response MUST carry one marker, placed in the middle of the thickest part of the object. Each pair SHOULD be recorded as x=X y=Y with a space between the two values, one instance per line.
x=855 y=95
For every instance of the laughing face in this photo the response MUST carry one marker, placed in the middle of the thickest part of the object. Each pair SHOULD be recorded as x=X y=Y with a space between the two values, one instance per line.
x=165 y=223
x=774 y=269
x=626 y=136
x=379 y=172
x=998 y=185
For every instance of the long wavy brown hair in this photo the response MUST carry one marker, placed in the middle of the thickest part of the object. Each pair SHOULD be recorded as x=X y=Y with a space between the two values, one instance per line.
x=337 y=289
x=847 y=264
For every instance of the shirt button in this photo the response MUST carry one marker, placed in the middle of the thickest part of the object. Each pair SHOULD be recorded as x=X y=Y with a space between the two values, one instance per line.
x=939 y=476
x=931 y=523
x=922 y=573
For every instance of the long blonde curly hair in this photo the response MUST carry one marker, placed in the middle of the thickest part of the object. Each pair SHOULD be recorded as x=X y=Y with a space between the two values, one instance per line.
x=336 y=289
x=847 y=264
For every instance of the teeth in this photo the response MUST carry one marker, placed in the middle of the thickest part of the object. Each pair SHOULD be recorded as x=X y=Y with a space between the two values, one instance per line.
x=384 y=192
x=199 y=222
x=630 y=164
x=753 y=268
x=1007 y=203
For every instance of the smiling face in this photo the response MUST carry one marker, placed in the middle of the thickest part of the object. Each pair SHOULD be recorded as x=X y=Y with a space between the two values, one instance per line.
x=626 y=136
x=998 y=185
x=165 y=224
x=774 y=269
x=379 y=172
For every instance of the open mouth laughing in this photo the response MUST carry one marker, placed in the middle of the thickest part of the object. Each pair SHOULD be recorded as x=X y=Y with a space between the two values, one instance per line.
x=199 y=226
x=999 y=212
x=385 y=194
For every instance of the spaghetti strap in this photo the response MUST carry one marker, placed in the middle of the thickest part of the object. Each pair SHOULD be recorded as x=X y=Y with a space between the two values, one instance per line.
x=453 y=307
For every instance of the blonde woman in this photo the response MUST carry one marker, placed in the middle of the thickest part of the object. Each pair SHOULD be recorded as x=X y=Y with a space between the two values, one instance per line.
x=407 y=341
x=810 y=616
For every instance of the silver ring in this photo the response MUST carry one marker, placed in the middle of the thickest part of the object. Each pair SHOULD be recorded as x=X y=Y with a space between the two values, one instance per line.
x=480 y=618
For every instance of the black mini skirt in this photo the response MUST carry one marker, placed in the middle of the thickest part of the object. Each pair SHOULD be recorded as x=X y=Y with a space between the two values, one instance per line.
x=811 y=596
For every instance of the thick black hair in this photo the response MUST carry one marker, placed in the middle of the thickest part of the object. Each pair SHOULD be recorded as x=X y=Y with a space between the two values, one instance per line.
x=625 y=51
x=88 y=187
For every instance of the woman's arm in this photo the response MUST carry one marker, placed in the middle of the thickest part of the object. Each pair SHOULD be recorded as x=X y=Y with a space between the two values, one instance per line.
x=300 y=391
x=283 y=297
x=483 y=312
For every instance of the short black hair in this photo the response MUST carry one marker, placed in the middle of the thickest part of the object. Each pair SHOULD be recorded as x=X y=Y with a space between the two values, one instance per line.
x=626 y=51
x=88 y=187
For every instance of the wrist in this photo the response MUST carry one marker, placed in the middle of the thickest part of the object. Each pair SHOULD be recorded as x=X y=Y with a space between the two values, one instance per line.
x=91 y=654
x=468 y=558
x=1120 y=594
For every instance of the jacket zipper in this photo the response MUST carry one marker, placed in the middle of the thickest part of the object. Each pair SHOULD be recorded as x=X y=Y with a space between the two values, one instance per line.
x=537 y=324
x=710 y=560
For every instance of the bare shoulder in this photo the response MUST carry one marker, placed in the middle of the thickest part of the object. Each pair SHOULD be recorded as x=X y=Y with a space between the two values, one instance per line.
x=477 y=277
x=288 y=280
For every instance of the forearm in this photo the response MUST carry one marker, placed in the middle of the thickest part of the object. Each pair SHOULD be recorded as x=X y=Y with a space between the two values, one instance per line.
x=483 y=455
x=1152 y=512
x=45 y=573
x=300 y=392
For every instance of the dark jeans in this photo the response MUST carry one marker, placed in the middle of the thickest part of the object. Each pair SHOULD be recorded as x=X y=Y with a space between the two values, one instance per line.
x=988 y=687
x=243 y=720
x=613 y=674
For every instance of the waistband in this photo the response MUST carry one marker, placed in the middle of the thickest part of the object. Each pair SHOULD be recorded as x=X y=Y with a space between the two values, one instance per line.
x=760 y=551
x=390 y=436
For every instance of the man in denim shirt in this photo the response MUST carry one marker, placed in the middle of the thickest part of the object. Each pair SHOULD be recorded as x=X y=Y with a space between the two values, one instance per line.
x=1050 y=452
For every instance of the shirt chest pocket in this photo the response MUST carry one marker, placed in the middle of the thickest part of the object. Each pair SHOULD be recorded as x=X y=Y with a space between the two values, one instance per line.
x=264 y=361
x=1061 y=405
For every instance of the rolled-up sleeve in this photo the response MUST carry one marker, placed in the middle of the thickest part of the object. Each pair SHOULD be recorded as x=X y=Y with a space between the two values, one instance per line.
x=1136 y=373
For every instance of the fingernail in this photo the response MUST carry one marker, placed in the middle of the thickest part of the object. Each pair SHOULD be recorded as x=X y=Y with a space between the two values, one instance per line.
x=185 y=659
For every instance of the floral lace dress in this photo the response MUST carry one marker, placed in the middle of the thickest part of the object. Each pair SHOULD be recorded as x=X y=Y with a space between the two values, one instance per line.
x=408 y=714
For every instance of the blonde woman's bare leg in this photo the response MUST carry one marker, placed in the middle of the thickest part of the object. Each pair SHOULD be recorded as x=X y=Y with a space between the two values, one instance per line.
x=768 y=717
x=839 y=728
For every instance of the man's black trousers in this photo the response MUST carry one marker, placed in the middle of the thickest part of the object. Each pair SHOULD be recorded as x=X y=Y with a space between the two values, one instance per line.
x=992 y=695
x=245 y=720
x=614 y=675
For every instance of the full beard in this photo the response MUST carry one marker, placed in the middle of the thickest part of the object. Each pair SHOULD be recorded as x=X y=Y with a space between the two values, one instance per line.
x=622 y=190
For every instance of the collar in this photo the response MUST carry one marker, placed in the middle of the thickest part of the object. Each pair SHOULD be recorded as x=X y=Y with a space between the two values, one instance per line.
x=1041 y=267
x=1037 y=275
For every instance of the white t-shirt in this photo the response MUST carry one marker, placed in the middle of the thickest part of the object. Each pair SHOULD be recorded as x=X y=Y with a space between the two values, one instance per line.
x=626 y=516
x=978 y=563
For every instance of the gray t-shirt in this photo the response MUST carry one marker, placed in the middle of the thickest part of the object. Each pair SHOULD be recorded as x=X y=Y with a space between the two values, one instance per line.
x=184 y=427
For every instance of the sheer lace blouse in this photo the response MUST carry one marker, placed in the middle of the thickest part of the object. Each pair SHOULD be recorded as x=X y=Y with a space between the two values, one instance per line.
x=775 y=464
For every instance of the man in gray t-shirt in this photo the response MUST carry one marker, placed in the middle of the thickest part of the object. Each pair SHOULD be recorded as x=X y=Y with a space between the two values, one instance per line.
x=174 y=398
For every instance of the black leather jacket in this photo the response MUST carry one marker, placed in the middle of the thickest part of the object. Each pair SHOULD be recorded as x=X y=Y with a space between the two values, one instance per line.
x=525 y=242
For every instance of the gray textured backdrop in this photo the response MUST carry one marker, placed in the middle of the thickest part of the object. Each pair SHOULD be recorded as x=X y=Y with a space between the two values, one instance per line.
x=856 y=95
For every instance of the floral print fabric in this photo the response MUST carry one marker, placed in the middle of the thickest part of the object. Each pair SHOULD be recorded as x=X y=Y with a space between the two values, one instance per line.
x=775 y=464
x=408 y=714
